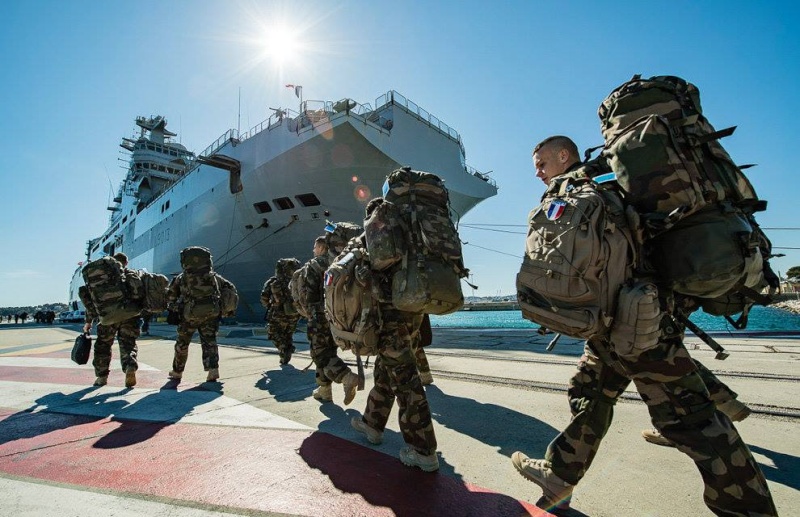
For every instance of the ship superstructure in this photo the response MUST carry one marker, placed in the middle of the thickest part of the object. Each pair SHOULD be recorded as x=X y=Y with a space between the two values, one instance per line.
x=264 y=194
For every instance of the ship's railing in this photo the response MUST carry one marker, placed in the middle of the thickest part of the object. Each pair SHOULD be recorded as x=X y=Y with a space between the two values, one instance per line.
x=397 y=99
x=482 y=175
x=231 y=134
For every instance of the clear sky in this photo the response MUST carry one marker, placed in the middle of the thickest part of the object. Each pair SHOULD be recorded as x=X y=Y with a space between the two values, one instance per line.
x=504 y=74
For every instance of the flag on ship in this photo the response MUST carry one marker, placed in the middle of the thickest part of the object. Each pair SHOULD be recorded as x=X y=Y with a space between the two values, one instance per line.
x=296 y=88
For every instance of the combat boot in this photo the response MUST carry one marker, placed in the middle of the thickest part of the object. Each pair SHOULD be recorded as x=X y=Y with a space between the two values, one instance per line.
x=130 y=377
x=101 y=381
x=175 y=376
x=556 y=493
x=411 y=458
x=374 y=437
x=735 y=410
x=323 y=393
x=426 y=378
x=213 y=375
x=350 y=385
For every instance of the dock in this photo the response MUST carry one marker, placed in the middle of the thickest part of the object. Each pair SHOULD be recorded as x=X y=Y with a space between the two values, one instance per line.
x=257 y=443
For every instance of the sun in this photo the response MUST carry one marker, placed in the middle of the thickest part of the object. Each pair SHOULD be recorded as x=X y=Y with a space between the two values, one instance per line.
x=281 y=44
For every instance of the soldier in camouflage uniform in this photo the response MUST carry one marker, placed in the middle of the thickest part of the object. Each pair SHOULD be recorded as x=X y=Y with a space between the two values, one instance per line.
x=180 y=299
x=126 y=333
x=676 y=395
x=396 y=377
x=282 y=321
x=329 y=366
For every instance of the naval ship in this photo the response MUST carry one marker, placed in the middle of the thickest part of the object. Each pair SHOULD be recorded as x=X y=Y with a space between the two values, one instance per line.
x=265 y=194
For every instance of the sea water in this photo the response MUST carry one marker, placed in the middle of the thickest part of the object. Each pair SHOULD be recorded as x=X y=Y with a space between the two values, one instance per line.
x=761 y=319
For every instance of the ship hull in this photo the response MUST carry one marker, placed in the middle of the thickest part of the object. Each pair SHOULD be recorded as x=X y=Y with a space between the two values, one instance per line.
x=326 y=171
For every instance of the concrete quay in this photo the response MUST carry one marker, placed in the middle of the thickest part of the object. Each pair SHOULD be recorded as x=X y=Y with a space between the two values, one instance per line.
x=258 y=444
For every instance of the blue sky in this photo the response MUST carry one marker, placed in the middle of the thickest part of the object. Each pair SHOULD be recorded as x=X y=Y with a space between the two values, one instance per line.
x=505 y=75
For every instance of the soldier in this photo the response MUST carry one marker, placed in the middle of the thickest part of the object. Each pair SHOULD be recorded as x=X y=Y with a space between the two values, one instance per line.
x=126 y=333
x=396 y=377
x=329 y=366
x=282 y=316
x=195 y=294
x=676 y=395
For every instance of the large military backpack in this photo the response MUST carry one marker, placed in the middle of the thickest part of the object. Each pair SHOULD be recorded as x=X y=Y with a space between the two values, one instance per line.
x=411 y=230
x=306 y=285
x=337 y=235
x=696 y=205
x=579 y=253
x=199 y=286
x=155 y=291
x=350 y=307
x=111 y=293
x=282 y=295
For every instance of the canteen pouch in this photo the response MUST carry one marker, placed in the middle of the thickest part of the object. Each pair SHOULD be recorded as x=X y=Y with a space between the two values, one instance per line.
x=636 y=327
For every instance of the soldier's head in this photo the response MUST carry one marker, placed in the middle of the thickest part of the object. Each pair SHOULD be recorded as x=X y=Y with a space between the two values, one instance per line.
x=553 y=156
x=121 y=258
x=320 y=246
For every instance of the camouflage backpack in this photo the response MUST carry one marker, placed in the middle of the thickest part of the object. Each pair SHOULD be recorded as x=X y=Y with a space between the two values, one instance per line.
x=337 y=235
x=228 y=296
x=155 y=291
x=199 y=285
x=110 y=292
x=306 y=286
x=282 y=295
x=411 y=230
x=696 y=205
x=579 y=253
x=350 y=307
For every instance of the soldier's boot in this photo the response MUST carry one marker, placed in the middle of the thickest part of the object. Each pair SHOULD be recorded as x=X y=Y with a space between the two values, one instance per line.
x=101 y=381
x=350 y=385
x=411 y=458
x=213 y=375
x=374 y=437
x=556 y=493
x=175 y=376
x=323 y=393
x=733 y=409
x=426 y=378
x=130 y=377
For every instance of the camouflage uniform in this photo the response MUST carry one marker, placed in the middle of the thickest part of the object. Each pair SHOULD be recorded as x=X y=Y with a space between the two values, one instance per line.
x=280 y=325
x=329 y=366
x=179 y=294
x=126 y=333
x=396 y=376
x=680 y=407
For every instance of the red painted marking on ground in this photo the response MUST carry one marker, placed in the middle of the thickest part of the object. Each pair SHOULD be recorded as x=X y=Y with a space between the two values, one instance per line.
x=298 y=472
x=153 y=379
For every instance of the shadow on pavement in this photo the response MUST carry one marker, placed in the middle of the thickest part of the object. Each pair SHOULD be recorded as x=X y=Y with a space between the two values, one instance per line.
x=385 y=482
x=786 y=467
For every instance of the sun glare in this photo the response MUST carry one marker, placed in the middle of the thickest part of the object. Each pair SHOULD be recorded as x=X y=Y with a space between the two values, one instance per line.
x=281 y=44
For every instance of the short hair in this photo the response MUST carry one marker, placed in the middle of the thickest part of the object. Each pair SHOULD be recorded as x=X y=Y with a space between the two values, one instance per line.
x=321 y=241
x=121 y=258
x=557 y=143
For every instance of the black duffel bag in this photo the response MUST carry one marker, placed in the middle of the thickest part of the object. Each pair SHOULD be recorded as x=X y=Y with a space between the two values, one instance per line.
x=82 y=348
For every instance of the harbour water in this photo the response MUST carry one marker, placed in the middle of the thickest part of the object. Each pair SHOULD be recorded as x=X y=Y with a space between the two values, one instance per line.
x=762 y=319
